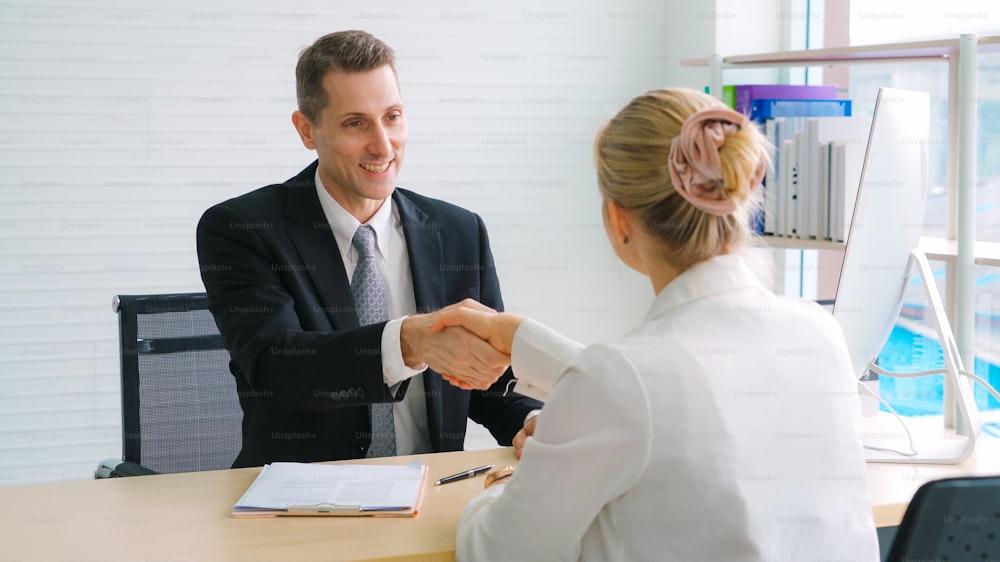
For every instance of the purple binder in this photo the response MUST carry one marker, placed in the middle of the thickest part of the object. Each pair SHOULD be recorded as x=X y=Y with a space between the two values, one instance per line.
x=745 y=94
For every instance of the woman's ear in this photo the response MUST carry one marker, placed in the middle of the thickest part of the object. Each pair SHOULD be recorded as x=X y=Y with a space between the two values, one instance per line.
x=619 y=223
x=622 y=234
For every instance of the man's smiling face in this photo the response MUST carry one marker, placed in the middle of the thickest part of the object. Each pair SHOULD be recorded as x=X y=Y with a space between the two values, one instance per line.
x=360 y=136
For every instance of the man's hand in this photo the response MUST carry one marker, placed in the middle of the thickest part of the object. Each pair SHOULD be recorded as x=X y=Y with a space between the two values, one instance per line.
x=522 y=436
x=497 y=328
x=461 y=357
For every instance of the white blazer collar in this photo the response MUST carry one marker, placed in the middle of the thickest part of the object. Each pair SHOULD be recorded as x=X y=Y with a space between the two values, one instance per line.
x=722 y=273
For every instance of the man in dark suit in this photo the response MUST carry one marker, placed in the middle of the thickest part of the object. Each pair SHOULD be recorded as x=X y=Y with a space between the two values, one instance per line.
x=324 y=287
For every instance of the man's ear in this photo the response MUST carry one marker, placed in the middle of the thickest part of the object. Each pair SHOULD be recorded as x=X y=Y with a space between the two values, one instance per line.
x=620 y=222
x=304 y=127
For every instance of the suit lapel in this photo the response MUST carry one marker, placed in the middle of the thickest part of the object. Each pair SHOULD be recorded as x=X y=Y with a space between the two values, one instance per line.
x=313 y=238
x=424 y=248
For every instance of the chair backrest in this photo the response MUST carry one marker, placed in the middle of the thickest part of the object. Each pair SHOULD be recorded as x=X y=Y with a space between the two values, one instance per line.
x=180 y=410
x=951 y=519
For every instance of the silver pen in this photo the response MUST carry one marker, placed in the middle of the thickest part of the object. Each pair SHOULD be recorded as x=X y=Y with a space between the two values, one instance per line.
x=471 y=473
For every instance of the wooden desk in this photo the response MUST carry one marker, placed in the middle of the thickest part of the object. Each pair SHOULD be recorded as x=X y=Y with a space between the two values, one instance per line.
x=892 y=485
x=186 y=516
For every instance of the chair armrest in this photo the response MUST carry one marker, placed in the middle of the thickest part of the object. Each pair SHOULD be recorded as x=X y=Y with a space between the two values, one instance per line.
x=115 y=468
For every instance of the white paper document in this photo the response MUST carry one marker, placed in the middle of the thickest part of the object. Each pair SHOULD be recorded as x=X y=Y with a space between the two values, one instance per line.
x=323 y=488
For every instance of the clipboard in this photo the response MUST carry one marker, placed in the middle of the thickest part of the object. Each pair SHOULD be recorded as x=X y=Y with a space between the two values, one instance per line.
x=245 y=507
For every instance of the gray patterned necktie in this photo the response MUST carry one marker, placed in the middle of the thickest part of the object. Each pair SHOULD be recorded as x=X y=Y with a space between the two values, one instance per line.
x=371 y=306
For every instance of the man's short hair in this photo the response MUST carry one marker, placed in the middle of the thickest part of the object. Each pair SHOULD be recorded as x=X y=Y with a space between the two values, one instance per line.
x=348 y=51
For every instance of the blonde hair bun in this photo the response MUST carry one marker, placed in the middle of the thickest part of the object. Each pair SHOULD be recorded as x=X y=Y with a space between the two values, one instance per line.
x=634 y=169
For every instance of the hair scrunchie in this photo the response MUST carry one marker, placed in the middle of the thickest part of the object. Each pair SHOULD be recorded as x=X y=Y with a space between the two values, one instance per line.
x=695 y=166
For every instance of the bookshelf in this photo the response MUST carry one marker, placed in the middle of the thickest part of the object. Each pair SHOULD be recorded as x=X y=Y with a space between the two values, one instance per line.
x=936 y=249
x=959 y=249
x=790 y=243
x=940 y=50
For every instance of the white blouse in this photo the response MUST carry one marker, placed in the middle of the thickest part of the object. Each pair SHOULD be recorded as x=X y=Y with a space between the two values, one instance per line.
x=725 y=426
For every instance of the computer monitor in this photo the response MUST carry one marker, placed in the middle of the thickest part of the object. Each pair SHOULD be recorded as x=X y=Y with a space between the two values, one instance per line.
x=888 y=220
x=882 y=252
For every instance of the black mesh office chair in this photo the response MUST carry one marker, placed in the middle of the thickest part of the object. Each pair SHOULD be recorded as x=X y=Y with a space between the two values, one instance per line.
x=180 y=411
x=953 y=519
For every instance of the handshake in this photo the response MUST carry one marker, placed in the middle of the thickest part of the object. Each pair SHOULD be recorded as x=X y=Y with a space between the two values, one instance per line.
x=468 y=343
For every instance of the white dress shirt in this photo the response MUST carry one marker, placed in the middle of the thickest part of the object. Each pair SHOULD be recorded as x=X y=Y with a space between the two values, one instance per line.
x=725 y=426
x=393 y=263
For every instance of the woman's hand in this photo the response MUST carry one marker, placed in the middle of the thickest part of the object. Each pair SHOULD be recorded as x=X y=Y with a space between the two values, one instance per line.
x=498 y=476
x=456 y=353
x=522 y=436
x=496 y=328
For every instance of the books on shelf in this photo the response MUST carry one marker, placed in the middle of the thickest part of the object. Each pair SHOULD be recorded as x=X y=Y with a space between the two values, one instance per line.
x=810 y=191
x=787 y=186
x=849 y=131
x=729 y=96
x=780 y=183
x=803 y=181
x=745 y=94
x=769 y=108
x=770 y=204
x=818 y=151
x=847 y=159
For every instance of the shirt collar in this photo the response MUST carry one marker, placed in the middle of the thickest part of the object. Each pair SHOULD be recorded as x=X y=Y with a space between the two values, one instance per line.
x=719 y=274
x=344 y=224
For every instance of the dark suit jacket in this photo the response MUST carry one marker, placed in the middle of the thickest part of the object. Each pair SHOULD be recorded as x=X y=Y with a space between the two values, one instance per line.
x=304 y=370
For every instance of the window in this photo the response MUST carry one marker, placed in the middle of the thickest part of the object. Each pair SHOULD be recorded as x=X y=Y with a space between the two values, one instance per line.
x=913 y=345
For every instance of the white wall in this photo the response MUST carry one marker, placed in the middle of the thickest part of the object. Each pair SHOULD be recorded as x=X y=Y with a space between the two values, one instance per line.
x=726 y=27
x=123 y=122
x=886 y=21
x=753 y=27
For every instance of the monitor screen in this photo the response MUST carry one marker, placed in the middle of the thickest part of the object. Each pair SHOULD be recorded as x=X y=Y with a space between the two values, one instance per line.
x=887 y=224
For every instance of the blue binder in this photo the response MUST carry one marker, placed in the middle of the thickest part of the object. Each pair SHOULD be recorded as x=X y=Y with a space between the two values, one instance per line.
x=764 y=109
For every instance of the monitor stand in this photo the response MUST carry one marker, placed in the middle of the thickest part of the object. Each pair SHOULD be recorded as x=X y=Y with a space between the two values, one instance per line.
x=950 y=448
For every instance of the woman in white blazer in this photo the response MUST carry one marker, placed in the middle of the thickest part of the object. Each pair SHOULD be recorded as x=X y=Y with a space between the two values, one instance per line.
x=725 y=425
